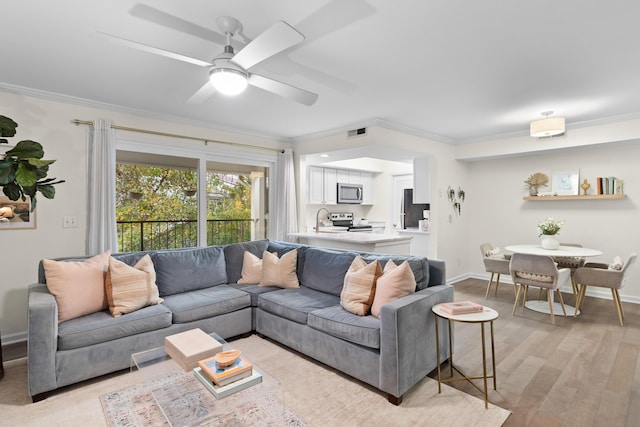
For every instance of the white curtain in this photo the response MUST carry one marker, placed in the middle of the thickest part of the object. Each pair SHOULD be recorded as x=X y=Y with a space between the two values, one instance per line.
x=287 y=217
x=103 y=234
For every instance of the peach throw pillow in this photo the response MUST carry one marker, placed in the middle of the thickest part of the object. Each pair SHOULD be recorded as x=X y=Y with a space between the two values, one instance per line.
x=280 y=272
x=360 y=286
x=395 y=282
x=131 y=288
x=78 y=286
x=251 y=269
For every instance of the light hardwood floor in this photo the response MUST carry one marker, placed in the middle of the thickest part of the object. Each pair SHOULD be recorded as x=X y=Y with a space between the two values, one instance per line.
x=584 y=371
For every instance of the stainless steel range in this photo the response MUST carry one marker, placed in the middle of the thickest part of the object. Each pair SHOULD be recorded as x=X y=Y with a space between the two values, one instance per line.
x=345 y=219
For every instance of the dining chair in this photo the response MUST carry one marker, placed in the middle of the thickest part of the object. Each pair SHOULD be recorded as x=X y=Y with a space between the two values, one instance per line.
x=598 y=274
x=494 y=264
x=539 y=271
x=572 y=263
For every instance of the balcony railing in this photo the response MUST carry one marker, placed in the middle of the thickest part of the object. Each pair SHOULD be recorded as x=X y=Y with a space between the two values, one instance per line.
x=171 y=234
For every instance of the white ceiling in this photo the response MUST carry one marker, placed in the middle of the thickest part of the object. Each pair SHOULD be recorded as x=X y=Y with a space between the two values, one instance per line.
x=457 y=70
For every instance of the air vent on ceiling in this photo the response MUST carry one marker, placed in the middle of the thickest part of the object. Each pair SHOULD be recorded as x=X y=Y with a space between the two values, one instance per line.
x=357 y=132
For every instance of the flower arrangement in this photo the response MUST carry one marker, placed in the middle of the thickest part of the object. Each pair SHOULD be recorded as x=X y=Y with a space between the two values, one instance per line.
x=550 y=227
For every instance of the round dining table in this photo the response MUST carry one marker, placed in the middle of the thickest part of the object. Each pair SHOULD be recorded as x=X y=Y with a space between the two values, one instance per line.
x=562 y=251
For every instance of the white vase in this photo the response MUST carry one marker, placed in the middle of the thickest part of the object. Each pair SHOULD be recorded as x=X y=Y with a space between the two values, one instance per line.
x=550 y=242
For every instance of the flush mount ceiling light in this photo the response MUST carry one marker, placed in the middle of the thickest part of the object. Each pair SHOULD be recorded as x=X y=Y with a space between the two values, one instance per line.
x=549 y=126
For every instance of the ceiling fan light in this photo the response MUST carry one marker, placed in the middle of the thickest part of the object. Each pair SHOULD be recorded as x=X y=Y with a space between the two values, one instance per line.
x=228 y=81
x=549 y=126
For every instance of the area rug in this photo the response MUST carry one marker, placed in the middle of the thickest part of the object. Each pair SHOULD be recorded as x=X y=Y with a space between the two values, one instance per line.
x=186 y=403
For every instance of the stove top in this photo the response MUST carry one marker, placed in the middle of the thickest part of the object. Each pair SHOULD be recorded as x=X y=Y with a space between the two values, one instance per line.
x=345 y=219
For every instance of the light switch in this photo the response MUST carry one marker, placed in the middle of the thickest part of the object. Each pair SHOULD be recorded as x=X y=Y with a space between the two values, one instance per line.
x=69 y=222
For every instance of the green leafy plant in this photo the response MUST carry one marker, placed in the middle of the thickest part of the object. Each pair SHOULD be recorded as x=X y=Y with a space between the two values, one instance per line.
x=23 y=171
x=550 y=227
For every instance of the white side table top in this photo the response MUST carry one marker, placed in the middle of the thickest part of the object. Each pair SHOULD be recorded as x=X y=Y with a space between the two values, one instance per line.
x=571 y=251
x=486 y=315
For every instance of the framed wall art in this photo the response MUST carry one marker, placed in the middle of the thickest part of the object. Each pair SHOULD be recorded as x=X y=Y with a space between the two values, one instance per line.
x=565 y=183
x=16 y=214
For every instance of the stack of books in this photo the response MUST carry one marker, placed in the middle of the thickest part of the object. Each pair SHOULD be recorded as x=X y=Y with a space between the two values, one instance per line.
x=224 y=381
x=189 y=347
x=461 y=307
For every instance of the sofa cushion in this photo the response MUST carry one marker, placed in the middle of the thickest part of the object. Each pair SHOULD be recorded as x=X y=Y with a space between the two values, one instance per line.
x=131 y=288
x=324 y=269
x=419 y=266
x=295 y=304
x=396 y=282
x=335 y=321
x=280 y=272
x=102 y=327
x=205 y=303
x=360 y=286
x=234 y=256
x=282 y=248
x=78 y=286
x=183 y=270
x=255 y=291
x=251 y=269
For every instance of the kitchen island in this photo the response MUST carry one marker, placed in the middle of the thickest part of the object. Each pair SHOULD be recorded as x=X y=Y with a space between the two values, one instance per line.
x=360 y=242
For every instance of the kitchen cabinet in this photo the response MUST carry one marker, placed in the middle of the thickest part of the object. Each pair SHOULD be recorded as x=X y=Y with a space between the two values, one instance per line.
x=322 y=184
x=346 y=176
x=368 y=186
x=322 y=188
x=421 y=181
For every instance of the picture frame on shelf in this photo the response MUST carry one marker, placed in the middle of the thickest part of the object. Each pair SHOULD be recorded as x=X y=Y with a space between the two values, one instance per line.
x=565 y=182
x=16 y=214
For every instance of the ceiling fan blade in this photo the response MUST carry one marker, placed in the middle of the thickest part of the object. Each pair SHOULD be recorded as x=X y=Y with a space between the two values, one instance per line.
x=167 y=20
x=340 y=13
x=203 y=94
x=286 y=91
x=151 y=49
x=280 y=36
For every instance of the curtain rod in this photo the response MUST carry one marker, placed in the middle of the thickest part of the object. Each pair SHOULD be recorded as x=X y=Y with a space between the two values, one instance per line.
x=175 y=135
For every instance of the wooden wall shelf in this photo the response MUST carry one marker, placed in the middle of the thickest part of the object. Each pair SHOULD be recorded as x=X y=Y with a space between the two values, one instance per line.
x=587 y=197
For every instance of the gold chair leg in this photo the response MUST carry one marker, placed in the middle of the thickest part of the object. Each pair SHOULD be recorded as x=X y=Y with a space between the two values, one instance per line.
x=616 y=300
x=574 y=287
x=561 y=302
x=515 y=305
x=620 y=303
x=583 y=290
x=489 y=286
x=526 y=294
x=553 y=320
x=497 y=284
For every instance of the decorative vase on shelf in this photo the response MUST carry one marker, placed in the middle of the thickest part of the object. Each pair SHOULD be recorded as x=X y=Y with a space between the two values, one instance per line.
x=550 y=242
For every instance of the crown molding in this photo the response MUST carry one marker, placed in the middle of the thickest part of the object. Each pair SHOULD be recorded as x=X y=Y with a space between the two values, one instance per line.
x=84 y=102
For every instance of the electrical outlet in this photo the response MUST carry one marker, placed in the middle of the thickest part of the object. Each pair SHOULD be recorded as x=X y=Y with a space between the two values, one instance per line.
x=69 y=222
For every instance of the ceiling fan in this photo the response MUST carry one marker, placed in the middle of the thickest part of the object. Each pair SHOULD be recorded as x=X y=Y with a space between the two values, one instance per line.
x=228 y=71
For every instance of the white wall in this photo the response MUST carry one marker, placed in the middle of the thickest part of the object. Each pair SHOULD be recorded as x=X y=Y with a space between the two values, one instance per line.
x=500 y=216
x=50 y=123
x=445 y=235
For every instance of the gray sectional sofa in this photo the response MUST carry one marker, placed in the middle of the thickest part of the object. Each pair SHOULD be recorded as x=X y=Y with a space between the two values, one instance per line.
x=199 y=290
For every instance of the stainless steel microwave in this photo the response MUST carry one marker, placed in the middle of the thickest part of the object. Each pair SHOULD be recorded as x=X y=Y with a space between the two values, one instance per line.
x=349 y=193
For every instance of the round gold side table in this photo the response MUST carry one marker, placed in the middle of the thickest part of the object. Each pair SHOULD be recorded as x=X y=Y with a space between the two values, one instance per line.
x=487 y=315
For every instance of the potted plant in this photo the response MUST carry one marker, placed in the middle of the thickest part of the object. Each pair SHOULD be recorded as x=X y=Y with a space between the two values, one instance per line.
x=23 y=171
x=548 y=229
x=536 y=180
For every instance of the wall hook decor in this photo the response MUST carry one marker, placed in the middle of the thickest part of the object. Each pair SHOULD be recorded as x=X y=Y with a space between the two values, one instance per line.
x=456 y=198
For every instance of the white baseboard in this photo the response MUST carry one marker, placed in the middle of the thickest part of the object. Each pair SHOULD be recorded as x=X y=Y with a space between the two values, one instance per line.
x=14 y=338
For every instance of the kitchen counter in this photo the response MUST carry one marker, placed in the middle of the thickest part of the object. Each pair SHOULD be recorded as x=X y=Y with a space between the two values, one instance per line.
x=358 y=241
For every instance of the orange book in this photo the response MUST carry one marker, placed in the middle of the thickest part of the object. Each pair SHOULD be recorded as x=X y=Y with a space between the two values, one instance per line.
x=241 y=368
